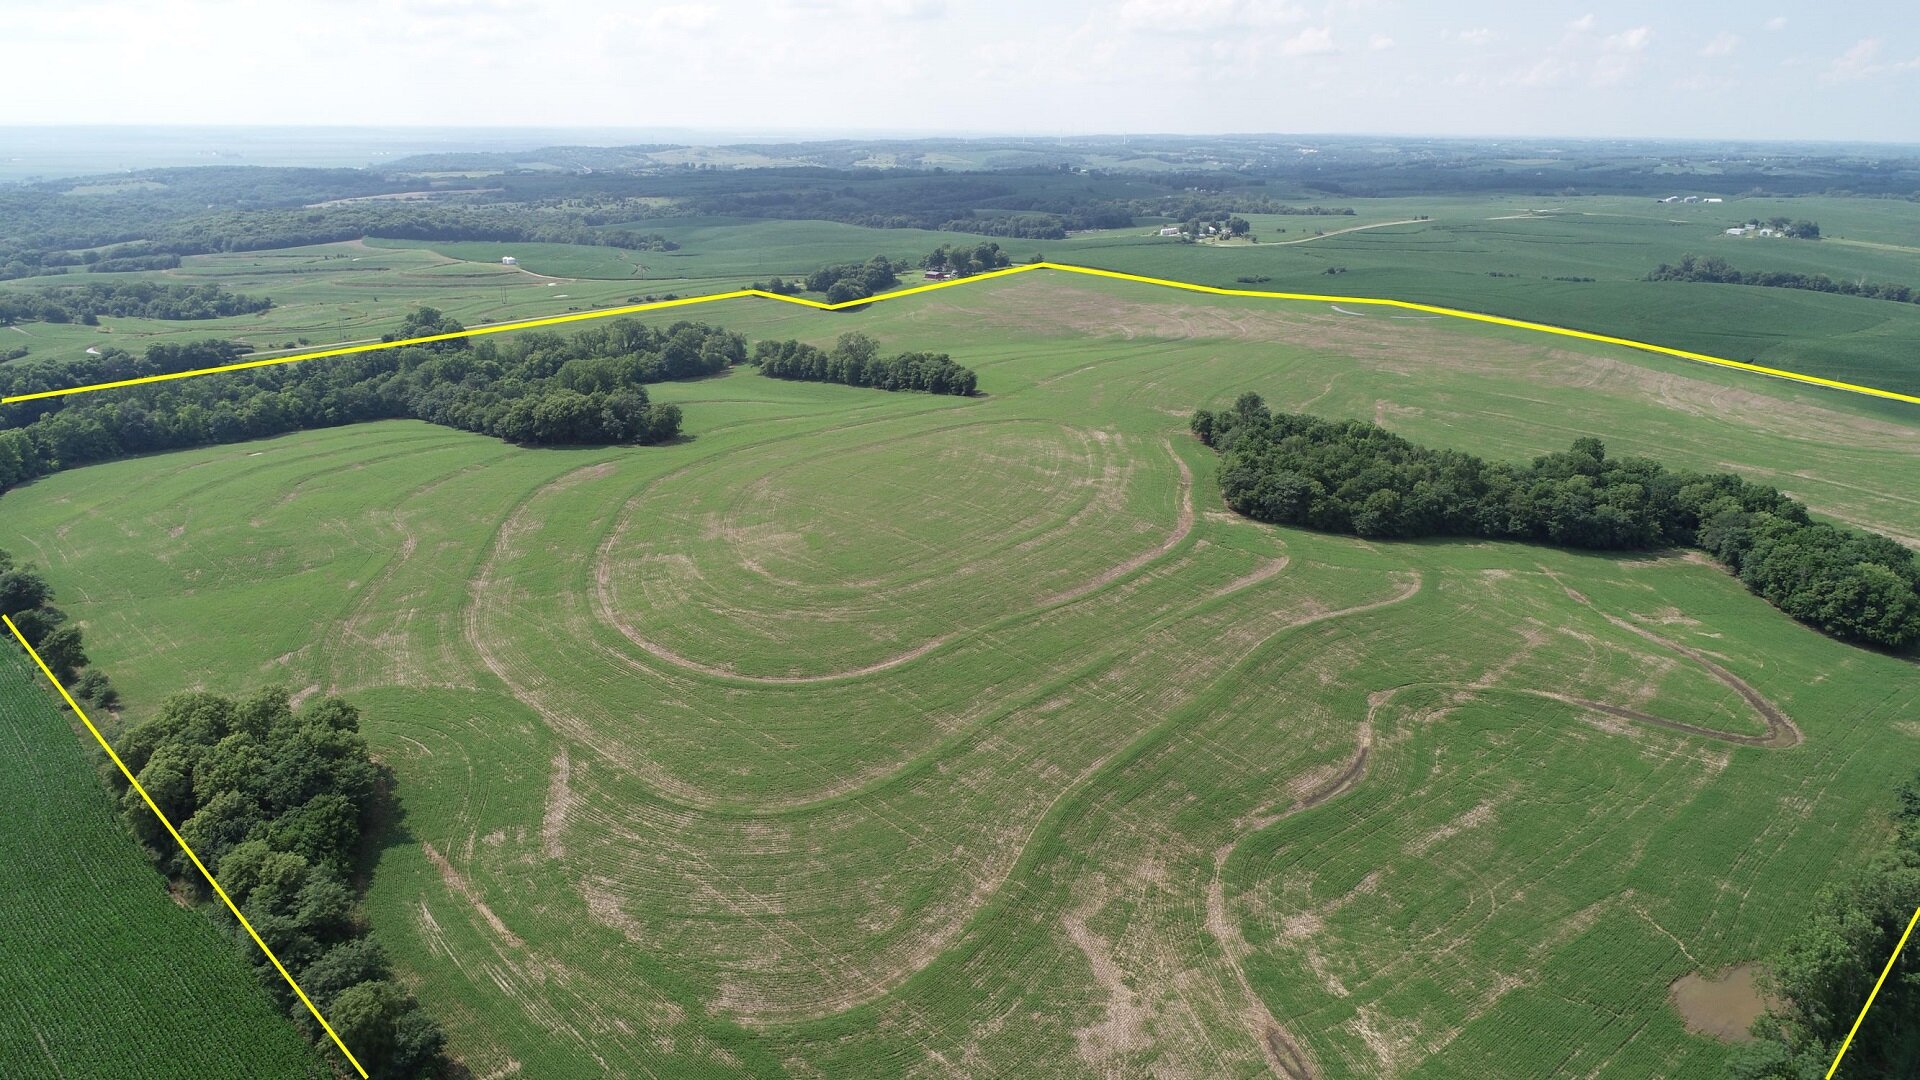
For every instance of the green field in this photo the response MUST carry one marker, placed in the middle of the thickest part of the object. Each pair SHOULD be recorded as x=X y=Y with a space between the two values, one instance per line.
x=123 y=981
x=356 y=291
x=876 y=734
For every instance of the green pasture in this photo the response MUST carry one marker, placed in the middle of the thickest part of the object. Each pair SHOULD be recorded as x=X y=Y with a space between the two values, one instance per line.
x=351 y=292
x=869 y=734
x=106 y=975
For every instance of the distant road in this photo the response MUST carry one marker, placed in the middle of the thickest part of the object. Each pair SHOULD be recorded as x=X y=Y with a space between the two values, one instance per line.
x=1337 y=232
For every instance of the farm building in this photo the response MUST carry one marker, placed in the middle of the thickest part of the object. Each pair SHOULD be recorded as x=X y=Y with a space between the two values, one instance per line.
x=1171 y=230
x=508 y=260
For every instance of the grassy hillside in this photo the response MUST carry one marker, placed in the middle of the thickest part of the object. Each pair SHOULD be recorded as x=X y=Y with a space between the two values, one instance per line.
x=105 y=974
x=1500 y=254
x=880 y=734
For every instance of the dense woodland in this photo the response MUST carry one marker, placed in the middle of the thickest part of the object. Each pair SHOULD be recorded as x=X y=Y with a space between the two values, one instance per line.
x=855 y=360
x=85 y=304
x=1715 y=269
x=1356 y=477
x=538 y=388
x=282 y=805
x=1826 y=969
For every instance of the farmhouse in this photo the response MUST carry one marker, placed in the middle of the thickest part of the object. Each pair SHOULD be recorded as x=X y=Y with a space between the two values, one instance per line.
x=1171 y=230
x=508 y=260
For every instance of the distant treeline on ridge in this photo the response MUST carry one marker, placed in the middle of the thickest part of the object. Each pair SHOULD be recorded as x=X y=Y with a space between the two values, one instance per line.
x=537 y=388
x=1356 y=477
x=1716 y=270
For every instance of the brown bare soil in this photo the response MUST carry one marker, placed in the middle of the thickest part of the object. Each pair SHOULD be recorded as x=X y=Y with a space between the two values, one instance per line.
x=1723 y=1006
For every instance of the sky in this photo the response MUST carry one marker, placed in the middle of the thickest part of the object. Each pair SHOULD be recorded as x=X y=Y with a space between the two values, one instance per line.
x=1747 y=70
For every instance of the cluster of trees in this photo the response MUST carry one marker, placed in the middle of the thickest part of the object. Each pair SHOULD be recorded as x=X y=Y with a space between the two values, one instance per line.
x=85 y=304
x=854 y=281
x=855 y=360
x=1798 y=230
x=280 y=805
x=1231 y=225
x=27 y=599
x=963 y=261
x=1824 y=972
x=539 y=388
x=1715 y=269
x=1355 y=477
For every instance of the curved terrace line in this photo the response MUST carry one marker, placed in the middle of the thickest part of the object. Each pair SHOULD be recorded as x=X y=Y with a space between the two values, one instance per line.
x=604 y=603
x=1186 y=286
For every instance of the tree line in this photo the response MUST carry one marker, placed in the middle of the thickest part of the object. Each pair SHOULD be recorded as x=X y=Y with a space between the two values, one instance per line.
x=963 y=261
x=855 y=360
x=84 y=304
x=282 y=805
x=1823 y=973
x=1716 y=270
x=538 y=388
x=1356 y=477
x=27 y=599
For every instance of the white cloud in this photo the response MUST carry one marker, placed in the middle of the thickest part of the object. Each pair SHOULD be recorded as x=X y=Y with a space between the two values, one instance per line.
x=1379 y=42
x=1630 y=41
x=1862 y=61
x=1583 y=24
x=1479 y=35
x=1205 y=16
x=1313 y=41
x=1723 y=44
x=1778 y=22
x=667 y=18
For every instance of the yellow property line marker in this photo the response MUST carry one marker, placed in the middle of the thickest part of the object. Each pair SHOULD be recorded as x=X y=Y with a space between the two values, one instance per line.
x=1186 y=286
x=175 y=833
x=1884 y=972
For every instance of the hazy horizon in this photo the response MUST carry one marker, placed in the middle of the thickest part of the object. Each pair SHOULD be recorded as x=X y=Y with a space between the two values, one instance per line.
x=769 y=67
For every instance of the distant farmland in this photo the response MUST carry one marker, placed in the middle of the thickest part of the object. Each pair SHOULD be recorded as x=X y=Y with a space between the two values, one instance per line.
x=882 y=734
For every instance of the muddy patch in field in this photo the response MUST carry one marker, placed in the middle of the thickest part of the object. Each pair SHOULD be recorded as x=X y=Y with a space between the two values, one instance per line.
x=1723 y=1007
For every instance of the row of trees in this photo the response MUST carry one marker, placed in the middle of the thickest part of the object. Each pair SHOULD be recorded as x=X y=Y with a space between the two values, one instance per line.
x=1355 y=477
x=1715 y=269
x=855 y=360
x=857 y=281
x=85 y=304
x=539 y=388
x=281 y=806
x=1826 y=970
x=1222 y=207
x=27 y=599
x=963 y=261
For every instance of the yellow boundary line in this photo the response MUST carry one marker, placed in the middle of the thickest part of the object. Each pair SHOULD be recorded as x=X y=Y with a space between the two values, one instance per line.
x=1185 y=286
x=1884 y=972
x=178 y=839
